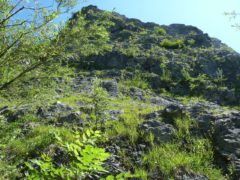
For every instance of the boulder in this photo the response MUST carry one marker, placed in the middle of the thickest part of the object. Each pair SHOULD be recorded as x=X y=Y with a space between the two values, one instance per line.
x=111 y=87
x=156 y=115
x=15 y=114
x=224 y=127
x=83 y=84
x=137 y=93
x=62 y=112
x=73 y=117
x=114 y=114
x=184 y=175
x=161 y=101
x=173 y=111
x=205 y=113
x=54 y=110
x=162 y=132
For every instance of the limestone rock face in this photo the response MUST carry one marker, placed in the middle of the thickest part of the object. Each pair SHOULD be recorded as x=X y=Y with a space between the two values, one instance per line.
x=212 y=119
x=227 y=138
x=167 y=51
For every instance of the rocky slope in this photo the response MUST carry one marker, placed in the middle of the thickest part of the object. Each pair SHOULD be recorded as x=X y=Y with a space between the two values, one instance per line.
x=164 y=100
x=178 y=58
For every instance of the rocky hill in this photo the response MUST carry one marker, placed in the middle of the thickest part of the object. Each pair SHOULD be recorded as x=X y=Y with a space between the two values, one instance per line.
x=178 y=58
x=164 y=101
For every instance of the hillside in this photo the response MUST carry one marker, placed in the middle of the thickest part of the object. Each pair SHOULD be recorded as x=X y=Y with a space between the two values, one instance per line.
x=158 y=102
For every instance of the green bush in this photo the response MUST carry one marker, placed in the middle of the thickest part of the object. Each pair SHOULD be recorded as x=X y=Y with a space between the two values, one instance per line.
x=159 y=31
x=191 y=42
x=99 y=102
x=196 y=85
x=137 y=81
x=172 y=44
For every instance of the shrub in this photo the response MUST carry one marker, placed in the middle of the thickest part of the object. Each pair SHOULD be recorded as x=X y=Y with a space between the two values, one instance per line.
x=84 y=159
x=191 y=42
x=137 y=81
x=159 y=31
x=172 y=44
x=99 y=101
x=196 y=85
x=220 y=78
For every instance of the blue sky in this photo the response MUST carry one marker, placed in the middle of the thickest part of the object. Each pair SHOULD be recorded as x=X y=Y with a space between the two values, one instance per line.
x=208 y=15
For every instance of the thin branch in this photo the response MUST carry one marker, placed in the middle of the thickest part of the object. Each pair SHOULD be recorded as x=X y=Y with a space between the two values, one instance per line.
x=36 y=65
x=17 y=24
x=41 y=8
x=11 y=45
x=13 y=14
x=19 y=38
x=59 y=4
x=16 y=5
x=42 y=60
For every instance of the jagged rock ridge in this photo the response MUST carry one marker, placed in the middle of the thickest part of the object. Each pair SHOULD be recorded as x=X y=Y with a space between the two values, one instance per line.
x=186 y=55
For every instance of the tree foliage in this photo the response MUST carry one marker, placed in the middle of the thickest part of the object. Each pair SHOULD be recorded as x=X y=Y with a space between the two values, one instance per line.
x=32 y=42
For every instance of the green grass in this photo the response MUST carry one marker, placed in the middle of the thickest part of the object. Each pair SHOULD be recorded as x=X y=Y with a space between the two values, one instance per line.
x=190 y=99
x=30 y=144
x=131 y=118
x=136 y=81
x=183 y=127
x=73 y=99
x=126 y=126
x=9 y=171
x=169 y=158
x=186 y=152
x=34 y=142
x=193 y=154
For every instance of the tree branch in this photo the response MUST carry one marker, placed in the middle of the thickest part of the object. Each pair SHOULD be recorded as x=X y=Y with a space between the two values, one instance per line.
x=40 y=8
x=17 y=24
x=11 y=15
x=20 y=37
x=15 y=6
x=36 y=65
x=11 y=45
